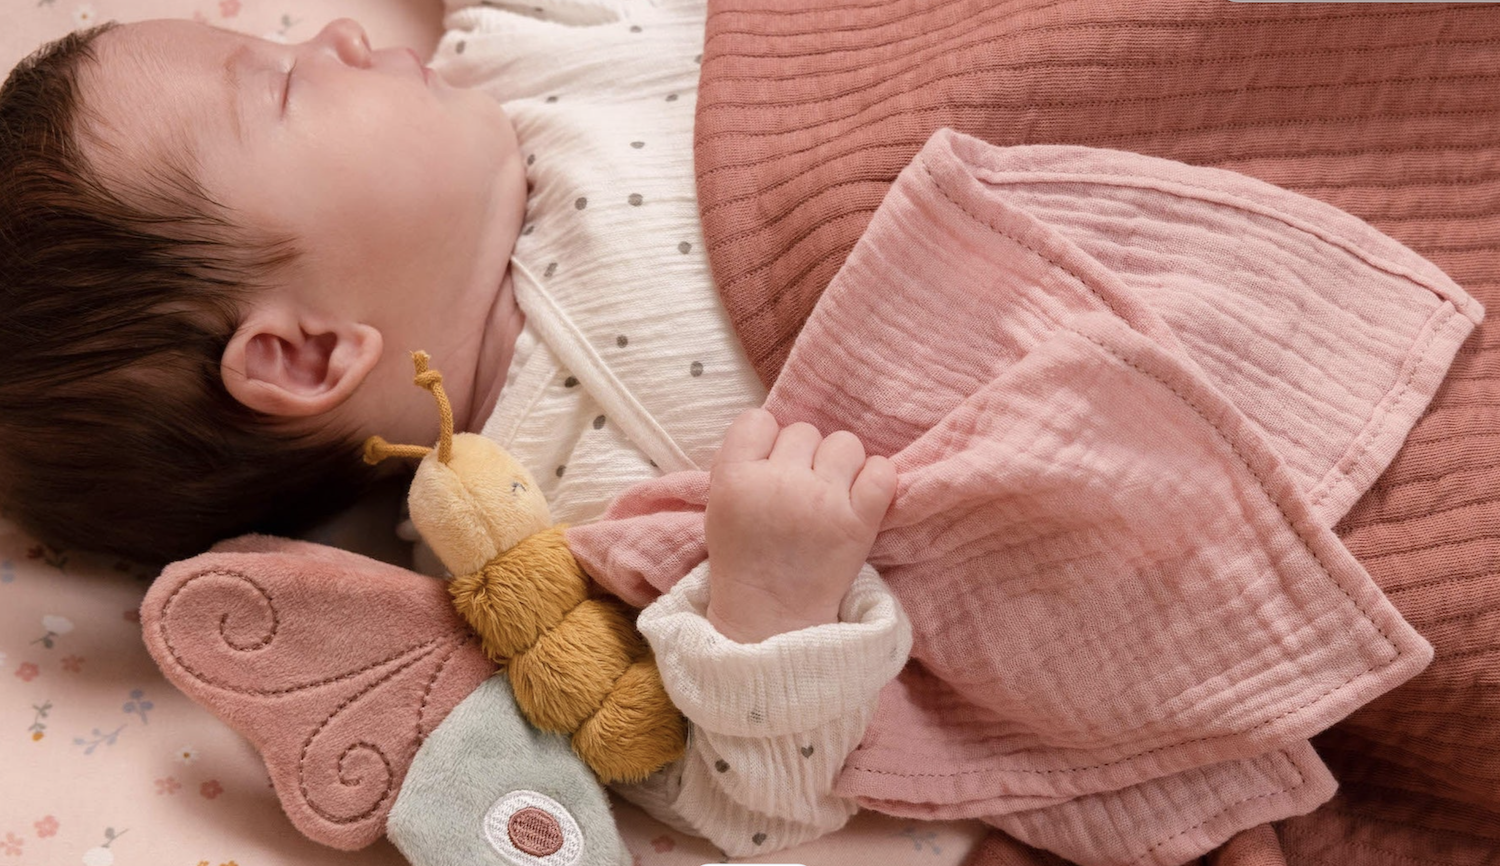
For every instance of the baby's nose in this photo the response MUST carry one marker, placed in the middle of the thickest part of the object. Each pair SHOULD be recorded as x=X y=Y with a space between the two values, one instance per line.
x=348 y=41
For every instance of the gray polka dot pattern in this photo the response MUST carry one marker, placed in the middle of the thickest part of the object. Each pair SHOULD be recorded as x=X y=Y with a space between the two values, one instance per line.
x=635 y=199
x=807 y=751
x=721 y=765
x=550 y=99
x=696 y=369
x=581 y=203
x=758 y=838
x=561 y=469
x=459 y=48
x=551 y=269
x=599 y=423
x=622 y=341
x=684 y=248
x=671 y=97
x=638 y=144
x=529 y=229
x=635 y=28
x=530 y=158
x=570 y=382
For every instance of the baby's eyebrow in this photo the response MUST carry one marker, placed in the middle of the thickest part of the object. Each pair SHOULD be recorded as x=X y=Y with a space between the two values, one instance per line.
x=232 y=81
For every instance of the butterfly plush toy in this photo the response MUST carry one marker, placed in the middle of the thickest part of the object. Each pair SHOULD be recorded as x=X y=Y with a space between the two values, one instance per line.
x=373 y=692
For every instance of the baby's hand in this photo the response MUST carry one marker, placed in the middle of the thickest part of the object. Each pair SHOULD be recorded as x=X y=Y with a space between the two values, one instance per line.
x=791 y=518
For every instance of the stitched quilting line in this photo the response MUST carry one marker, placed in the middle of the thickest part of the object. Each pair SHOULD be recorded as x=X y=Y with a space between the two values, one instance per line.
x=412 y=740
x=1381 y=414
x=717 y=31
x=1301 y=780
x=982 y=72
x=945 y=47
x=1231 y=201
x=209 y=681
x=1388 y=407
x=1307 y=544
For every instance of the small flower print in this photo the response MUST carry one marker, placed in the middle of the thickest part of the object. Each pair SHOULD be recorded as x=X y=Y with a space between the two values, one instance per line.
x=45 y=827
x=72 y=664
x=211 y=789
x=169 y=785
x=28 y=671
x=187 y=754
x=101 y=855
x=84 y=15
x=55 y=626
x=12 y=845
x=663 y=844
x=139 y=705
x=99 y=739
x=37 y=725
x=920 y=840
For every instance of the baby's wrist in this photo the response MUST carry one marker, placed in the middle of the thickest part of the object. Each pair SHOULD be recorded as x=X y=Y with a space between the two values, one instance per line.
x=743 y=623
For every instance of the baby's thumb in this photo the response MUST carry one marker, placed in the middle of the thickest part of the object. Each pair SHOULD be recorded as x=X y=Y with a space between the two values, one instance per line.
x=873 y=490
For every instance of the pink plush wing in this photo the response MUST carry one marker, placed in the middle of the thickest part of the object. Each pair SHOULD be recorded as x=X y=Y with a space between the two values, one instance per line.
x=335 y=666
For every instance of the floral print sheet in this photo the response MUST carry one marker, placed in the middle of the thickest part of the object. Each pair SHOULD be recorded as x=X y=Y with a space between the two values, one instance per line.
x=103 y=763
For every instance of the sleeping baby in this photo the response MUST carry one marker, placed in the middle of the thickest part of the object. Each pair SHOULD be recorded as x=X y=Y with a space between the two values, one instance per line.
x=218 y=251
x=1128 y=399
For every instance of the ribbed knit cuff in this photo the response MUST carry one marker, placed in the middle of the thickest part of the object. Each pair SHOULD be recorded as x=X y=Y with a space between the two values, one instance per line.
x=788 y=683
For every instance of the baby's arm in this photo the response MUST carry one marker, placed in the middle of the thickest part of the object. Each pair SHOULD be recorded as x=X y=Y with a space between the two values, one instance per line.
x=776 y=710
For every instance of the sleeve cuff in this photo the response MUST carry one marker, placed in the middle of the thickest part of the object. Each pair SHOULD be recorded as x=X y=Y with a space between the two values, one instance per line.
x=788 y=683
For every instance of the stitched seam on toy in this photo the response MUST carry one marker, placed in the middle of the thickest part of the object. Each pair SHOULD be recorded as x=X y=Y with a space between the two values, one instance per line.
x=390 y=774
x=206 y=680
x=1301 y=780
x=442 y=666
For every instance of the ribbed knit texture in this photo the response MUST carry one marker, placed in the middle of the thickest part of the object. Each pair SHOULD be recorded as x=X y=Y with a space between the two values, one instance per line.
x=772 y=721
x=808 y=111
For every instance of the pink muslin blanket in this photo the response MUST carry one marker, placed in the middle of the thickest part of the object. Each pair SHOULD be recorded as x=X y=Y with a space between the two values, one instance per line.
x=1127 y=399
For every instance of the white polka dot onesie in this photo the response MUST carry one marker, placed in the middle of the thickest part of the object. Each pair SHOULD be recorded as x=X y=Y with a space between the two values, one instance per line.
x=628 y=367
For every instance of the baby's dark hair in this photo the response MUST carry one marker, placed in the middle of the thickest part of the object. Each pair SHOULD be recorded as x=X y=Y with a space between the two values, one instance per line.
x=116 y=431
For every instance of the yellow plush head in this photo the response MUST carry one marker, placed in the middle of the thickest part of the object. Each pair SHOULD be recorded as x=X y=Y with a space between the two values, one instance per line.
x=476 y=505
x=470 y=499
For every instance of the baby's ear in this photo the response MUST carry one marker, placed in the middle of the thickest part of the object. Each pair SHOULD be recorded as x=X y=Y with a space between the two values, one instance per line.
x=286 y=363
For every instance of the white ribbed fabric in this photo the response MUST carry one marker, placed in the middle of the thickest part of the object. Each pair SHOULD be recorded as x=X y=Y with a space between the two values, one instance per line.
x=772 y=721
x=628 y=366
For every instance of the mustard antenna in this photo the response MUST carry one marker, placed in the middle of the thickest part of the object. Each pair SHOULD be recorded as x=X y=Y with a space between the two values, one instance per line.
x=432 y=380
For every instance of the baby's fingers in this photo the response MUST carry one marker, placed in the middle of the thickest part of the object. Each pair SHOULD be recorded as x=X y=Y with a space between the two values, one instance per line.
x=873 y=490
x=749 y=437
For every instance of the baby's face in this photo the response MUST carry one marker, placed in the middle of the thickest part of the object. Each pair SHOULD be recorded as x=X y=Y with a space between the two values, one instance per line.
x=403 y=194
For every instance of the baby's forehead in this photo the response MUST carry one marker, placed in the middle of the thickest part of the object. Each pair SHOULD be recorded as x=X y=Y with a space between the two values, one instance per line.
x=155 y=87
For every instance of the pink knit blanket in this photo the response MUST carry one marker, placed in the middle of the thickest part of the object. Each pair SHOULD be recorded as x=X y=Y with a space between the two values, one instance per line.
x=1127 y=399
